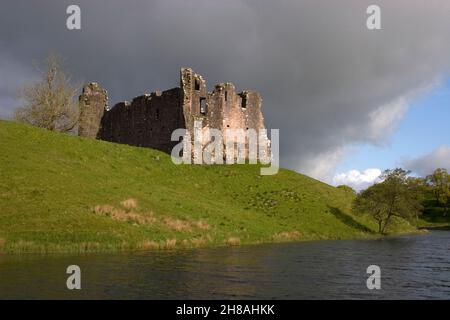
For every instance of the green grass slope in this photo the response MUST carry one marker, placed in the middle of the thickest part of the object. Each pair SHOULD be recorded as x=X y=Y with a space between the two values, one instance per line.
x=61 y=193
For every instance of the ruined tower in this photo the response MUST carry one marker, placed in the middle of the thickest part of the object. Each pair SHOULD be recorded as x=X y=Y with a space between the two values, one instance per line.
x=150 y=119
x=93 y=102
x=222 y=108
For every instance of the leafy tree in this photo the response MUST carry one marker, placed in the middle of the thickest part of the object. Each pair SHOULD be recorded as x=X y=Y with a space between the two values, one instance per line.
x=396 y=196
x=49 y=102
x=417 y=187
x=439 y=181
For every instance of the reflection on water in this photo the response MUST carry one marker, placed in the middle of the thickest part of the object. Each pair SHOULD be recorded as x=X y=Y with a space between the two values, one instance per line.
x=412 y=267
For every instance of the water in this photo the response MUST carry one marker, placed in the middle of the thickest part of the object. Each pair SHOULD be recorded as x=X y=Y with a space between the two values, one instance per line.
x=412 y=267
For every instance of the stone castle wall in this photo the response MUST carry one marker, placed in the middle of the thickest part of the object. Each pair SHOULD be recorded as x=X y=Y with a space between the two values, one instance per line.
x=147 y=121
x=150 y=119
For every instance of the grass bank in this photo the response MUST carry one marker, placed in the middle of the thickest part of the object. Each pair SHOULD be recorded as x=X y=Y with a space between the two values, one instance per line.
x=60 y=193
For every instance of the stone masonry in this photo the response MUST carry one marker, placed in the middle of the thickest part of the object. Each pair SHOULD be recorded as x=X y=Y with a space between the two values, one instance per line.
x=150 y=119
x=93 y=103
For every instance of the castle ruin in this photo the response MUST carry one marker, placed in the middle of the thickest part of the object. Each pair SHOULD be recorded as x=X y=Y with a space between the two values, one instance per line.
x=150 y=119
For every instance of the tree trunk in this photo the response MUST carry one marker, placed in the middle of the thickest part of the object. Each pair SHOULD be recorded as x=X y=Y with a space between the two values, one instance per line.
x=379 y=226
x=386 y=223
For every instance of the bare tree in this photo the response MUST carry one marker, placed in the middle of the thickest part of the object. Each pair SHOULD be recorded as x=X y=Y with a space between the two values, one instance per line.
x=49 y=102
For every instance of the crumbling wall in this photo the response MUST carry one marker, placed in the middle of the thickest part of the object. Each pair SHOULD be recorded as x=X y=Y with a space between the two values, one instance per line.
x=195 y=97
x=222 y=108
x=250 y=102
x=148 y=121
x=92 y=102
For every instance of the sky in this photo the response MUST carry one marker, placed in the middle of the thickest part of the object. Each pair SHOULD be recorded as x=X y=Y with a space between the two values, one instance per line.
x=421 y=143
x=349 y=101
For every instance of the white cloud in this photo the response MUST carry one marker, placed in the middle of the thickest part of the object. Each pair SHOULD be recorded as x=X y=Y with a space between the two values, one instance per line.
x=356 y=179
x=426 y=164
x=322 y=166
x=384 y=119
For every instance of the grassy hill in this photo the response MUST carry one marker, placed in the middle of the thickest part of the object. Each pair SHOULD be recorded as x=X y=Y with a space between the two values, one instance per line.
x=61 y=193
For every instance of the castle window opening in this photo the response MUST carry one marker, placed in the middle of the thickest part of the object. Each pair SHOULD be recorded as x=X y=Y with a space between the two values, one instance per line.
x=203 y=106
x=157 y=114
x=226 y=95
x=197 y=85
x=244 y=102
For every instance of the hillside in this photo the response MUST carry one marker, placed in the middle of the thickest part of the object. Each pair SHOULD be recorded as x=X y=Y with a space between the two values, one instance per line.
x=60 y=193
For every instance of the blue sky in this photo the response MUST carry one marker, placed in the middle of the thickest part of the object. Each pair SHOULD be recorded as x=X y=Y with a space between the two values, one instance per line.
x=425 y=127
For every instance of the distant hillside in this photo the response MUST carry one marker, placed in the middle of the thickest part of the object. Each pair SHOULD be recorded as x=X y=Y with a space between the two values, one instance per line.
x=60 y=193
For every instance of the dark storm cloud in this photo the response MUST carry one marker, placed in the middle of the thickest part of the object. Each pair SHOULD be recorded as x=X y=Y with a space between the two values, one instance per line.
x=327 y=82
